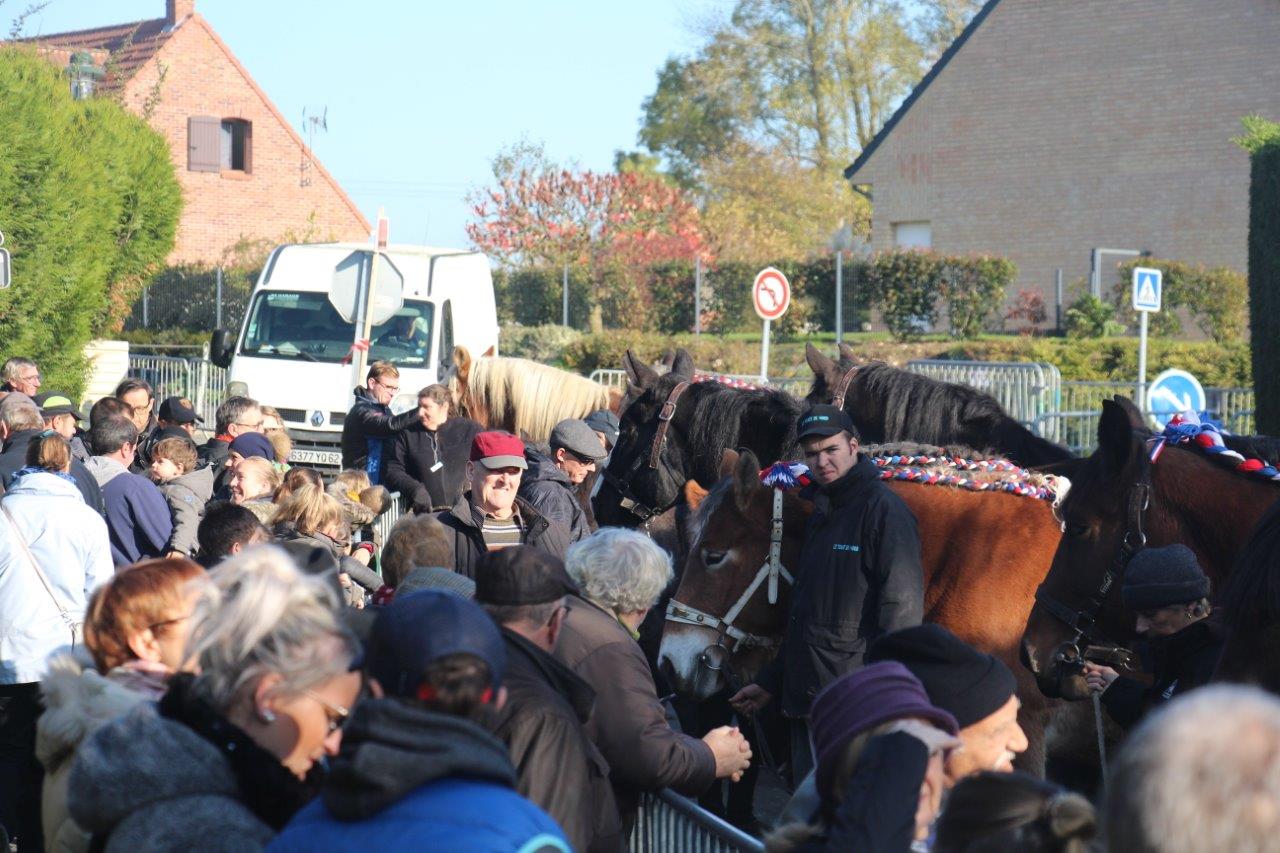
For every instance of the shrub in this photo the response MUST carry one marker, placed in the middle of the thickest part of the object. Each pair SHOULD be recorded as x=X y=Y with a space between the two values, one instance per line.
x=1218 y=298
x=539 y=343
x=1028 y=308
x=1262 y=141
x=974 y=288
x=905 y=286
x=1090 y=317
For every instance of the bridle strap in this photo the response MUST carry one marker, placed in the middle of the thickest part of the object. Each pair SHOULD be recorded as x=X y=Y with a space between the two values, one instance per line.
x=664 y=420
x=842 y=387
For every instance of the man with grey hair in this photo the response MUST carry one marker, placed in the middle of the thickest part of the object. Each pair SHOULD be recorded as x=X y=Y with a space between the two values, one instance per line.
x=550 y=485
x=21 y=421
x=236 y=416
x=1200 y=773
x=21 y=375
x=621 y=574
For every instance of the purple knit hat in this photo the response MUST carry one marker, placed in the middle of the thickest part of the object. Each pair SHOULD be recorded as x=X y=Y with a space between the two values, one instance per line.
x=862 y=700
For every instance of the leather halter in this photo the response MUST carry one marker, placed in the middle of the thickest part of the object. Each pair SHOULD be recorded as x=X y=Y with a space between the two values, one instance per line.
x=842 y=387
x=770 y=571
x=1083 y=621
x=629 y=501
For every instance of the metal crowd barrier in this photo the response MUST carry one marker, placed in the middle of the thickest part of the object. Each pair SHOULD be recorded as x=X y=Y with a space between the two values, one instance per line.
x=1026 y=390
x=795 y=385
x=382 y=524
x=669 y=823
x=197 y=379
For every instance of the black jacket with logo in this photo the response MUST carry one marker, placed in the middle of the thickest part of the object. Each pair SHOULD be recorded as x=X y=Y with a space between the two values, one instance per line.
x=367 y=432
x=1180 y=662
x=415 y=451
x=859 y=577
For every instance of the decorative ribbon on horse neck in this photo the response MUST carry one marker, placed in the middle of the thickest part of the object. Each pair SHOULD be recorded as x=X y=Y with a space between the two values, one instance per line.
x=1186 y=428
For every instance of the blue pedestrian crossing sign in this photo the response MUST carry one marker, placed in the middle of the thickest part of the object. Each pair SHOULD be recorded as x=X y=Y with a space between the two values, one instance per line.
x=1146 y=288
x=1174 y=391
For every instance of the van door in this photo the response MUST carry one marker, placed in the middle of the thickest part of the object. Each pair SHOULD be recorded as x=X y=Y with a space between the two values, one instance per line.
x=444 y=363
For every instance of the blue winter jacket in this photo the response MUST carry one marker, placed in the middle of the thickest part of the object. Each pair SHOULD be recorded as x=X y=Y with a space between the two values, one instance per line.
x=138 y=517
x=410 y=779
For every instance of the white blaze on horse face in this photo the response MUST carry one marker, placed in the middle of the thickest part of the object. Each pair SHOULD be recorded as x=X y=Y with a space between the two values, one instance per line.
x=681 y=649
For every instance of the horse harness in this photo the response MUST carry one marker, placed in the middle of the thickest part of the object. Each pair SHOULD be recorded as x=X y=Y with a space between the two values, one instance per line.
x=1083 y=621
x=629 y=500
x=842 y=387
x=713 y=657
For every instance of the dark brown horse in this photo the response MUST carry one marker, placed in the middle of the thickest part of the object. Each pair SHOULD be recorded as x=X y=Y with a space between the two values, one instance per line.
x=1121 y=501
x=984 y=553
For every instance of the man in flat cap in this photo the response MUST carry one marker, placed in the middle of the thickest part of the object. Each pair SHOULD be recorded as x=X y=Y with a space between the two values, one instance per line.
x=557 y=765
x=551 y=483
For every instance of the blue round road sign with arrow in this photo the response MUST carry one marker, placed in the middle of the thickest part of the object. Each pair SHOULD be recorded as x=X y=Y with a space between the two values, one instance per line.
x=1174 y=391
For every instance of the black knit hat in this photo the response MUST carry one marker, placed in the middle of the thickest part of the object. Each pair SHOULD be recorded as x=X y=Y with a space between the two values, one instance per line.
x=969 y=684
x=1160 y=577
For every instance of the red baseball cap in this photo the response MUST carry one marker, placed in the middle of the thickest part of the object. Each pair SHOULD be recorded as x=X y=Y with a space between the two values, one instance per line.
x=498 y=450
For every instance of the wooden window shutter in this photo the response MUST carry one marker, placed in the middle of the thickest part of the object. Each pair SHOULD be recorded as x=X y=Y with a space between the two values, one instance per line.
x=248 y=147
x=204 y=144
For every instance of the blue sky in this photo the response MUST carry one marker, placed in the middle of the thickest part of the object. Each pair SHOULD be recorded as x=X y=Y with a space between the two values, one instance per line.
x=420 y=95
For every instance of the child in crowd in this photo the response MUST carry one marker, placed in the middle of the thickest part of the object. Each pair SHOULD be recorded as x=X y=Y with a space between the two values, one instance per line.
x=186 y=487
x=362 y=502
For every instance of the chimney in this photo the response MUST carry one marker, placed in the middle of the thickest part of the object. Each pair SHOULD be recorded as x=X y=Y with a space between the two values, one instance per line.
x=177 y=11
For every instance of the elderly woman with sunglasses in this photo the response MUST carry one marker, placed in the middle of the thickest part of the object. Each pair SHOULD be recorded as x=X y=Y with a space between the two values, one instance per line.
x=227 y=756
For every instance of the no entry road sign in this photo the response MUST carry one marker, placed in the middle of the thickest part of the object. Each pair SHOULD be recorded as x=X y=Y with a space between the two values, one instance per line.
x=771 y=294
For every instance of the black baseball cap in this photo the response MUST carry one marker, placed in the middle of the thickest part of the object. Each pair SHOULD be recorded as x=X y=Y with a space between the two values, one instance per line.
x=522 y=575
x=825 y=420
x=416 y=630
x=57 y=403
x=179 y=410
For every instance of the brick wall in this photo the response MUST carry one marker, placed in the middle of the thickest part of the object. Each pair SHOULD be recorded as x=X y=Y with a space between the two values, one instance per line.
x=1062 y=125
x=203 y=79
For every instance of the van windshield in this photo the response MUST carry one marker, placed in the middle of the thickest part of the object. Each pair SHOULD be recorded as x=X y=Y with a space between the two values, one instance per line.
x=305 y=326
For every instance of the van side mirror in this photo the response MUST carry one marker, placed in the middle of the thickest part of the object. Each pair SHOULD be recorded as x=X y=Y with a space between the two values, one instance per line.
x=220 y=346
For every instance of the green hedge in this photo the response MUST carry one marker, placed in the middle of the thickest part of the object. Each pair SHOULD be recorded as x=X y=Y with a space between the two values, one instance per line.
x=1262 y=141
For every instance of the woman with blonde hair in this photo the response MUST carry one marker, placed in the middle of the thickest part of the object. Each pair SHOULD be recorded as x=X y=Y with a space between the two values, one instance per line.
x=136 y=630
x=294 y=479
x=252 y=485
x=312 y=517
x=54 y=551
x=228 y=755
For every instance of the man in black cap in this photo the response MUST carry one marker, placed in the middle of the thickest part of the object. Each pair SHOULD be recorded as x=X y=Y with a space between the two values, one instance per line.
x=63 y=417
x=1169 y=593
x=558 y=766
x=604 y=424
x=178 y=412
x=550 y=485
x=858 y=576
x=974 y=687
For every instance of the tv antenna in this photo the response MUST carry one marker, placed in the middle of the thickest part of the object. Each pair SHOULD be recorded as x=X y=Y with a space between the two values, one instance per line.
x=311 y=125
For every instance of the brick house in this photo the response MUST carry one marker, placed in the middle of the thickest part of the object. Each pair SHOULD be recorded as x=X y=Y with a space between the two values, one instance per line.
x=245 y=172
x=1053 y=127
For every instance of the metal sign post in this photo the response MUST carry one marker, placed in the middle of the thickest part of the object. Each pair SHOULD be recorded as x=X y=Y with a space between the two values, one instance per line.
x=1146 y=300
x=771 y=297
x=362 y=344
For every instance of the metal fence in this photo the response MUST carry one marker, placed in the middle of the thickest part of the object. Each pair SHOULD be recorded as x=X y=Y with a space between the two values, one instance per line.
x=669 y=823
x=197 y=379
x=1026 y=390
x=797 y=386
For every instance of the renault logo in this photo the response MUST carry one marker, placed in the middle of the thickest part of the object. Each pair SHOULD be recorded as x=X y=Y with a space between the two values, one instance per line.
x=317 y=418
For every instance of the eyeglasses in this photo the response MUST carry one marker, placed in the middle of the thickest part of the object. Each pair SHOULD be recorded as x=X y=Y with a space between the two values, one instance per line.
x=337 y=714
x=258 y=425
x=391 y=388
x=34 y=377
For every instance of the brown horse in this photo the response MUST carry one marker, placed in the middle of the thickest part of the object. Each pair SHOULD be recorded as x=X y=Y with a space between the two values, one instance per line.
x=524 y=397
x=1121 y=501
x=983 y=555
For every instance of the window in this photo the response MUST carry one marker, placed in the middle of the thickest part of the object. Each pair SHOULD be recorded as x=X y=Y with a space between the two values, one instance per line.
x=305 y=327
x=912 y=235
x=446 y=335
x=219 y=145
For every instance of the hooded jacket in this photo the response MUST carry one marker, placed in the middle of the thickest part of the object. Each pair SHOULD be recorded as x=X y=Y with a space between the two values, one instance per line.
x=414 y=454
x=187 y=496
x=367 y=433
x=550 y=491
x=557 y=765
x=137 y=516
x=859 y=577
x=464 y=522
x=14 y=458
x=69 y=542
x=629 y=724
x=411 y=779
x=1180 y=662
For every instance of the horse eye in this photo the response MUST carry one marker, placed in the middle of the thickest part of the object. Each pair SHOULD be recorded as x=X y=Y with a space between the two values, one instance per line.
x=713 y=559
x=1077 y=529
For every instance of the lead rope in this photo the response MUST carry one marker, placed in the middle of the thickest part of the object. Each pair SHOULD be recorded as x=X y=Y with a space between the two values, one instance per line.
x=1096 y=695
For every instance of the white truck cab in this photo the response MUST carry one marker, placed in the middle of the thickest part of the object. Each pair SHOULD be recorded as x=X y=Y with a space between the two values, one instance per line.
x=298 y=348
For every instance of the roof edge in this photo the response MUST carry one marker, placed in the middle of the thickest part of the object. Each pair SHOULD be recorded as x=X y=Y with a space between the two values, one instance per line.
x=952 y=50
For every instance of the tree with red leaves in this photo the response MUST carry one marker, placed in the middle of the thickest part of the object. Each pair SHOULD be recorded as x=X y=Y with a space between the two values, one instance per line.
x=601 y=221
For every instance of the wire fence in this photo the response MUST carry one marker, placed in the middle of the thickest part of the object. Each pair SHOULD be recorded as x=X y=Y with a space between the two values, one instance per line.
x=193 y=298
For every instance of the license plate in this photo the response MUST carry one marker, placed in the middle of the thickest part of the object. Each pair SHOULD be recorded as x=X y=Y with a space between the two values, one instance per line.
x=317 y=457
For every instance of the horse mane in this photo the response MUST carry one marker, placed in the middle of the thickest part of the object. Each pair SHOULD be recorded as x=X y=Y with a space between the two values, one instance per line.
x=716 y=422
x=1251 y=599
x=949 y=462
x=1262 y=447
x=919 y=405
x=532 y=396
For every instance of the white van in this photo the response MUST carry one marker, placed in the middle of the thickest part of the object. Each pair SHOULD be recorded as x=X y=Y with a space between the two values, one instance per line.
x=295 y=349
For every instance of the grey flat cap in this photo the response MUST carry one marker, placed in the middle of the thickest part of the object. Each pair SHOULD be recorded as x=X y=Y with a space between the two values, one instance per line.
x=579 y=439
x=606 y=422
x=436 y=577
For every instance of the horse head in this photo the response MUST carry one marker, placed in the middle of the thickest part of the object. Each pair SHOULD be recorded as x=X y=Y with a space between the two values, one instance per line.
x=646 y=470
x=458 y=383
x=720 y=622
x=1105 y=519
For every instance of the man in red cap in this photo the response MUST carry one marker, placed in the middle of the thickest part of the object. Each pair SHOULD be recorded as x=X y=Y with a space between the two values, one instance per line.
x=489 y=516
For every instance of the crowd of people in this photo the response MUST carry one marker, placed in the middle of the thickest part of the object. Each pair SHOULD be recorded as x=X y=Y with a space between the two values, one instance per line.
x=203 y=647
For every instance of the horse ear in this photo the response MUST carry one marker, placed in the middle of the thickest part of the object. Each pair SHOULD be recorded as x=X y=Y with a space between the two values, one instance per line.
x=1135 y=417
x=639 y=374
x=462 y=360
x=694 y=494
x=819 y=363
x=728 y=462
x=1115 y=432
x=746 y=479
x=847 y=353
x=682 y=367
x=668 y=358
